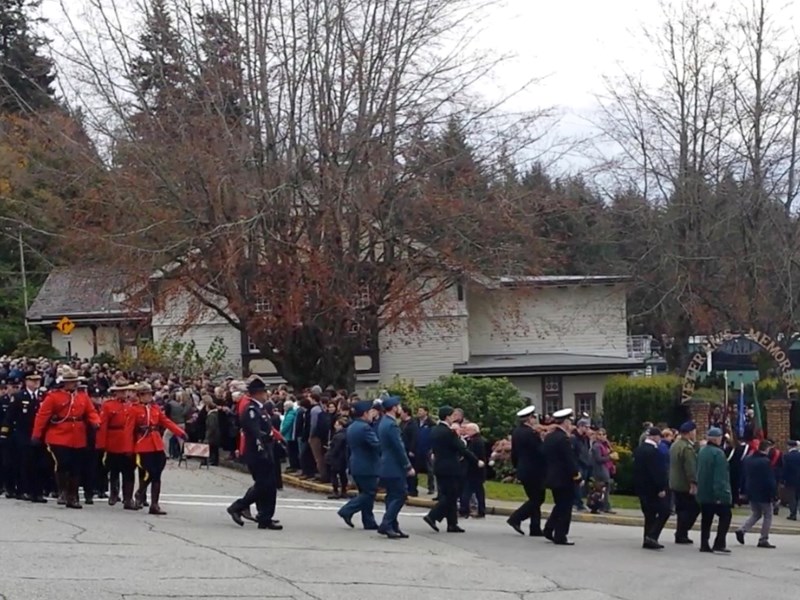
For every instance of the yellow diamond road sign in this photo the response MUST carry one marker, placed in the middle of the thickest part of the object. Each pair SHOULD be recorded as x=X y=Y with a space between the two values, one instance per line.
x=65 y=326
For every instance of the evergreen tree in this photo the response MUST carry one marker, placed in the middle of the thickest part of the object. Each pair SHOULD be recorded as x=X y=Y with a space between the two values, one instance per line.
x=26 y=75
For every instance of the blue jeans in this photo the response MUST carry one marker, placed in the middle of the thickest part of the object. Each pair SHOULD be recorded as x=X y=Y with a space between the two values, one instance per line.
x=364 y=502
x=580 y=488
x=396 y=488
x=473 y=487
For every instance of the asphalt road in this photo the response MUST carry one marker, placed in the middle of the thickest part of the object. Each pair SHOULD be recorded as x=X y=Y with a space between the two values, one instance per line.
x=104 y=553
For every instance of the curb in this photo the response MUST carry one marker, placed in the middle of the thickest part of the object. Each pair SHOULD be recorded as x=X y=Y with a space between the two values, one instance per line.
x=504 y=511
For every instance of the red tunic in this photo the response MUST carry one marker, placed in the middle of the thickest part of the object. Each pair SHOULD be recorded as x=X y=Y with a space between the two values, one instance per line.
x=116 y=427
x=63 y=417
x=148 y=422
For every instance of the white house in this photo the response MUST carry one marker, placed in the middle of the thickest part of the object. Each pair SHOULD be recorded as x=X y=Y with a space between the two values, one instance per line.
x=556 y=338
x=95 y=301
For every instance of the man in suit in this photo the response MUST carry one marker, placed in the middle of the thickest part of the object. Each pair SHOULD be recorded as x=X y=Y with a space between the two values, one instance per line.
x=651 y=480
x=448 y=450
x=528 y=461
x=365 y=456
x=394 y=468
x=761 y=487
x=409 y=429
x=561 y=477
x=791 y=477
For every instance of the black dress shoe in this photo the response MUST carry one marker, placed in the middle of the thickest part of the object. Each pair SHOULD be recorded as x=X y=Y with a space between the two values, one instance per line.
x=684 y=541
x=371 y=527
x=740 y=537
x=766 y=545
x=548 y=534
x=536 y=533
x=88 y=501
x=564 y=542
x=706 y=549
x=515 y=527
x=431 y=523
x=651 y=544
x=455 y=529
x=389 y=533
x=236 y=516
x=405 y=536
x=722 y=550
x=271 y=526
x=39 y=500
x=348 y=519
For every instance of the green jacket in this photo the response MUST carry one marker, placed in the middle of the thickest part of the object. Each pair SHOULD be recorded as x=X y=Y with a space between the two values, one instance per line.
x=713 y=477
x=682 y=465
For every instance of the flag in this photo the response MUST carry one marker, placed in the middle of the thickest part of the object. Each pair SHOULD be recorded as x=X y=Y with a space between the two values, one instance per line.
x=758 y=423
x=741 y=418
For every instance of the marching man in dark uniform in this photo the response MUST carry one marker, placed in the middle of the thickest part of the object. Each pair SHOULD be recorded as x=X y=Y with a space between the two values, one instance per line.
x=27 y=460
x=62 y=422
x=651 y=480
x=395 y=469
x=116 y=437
x=259 y=457
x=528 y=460
x=365 y=456
x=562 y=475
x=448 y=449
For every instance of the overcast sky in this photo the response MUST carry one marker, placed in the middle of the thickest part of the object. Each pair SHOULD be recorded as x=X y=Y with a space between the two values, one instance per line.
x=568 y=45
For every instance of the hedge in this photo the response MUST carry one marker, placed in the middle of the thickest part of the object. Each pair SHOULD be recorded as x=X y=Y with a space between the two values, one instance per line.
x=491 y=402
x=630 y=401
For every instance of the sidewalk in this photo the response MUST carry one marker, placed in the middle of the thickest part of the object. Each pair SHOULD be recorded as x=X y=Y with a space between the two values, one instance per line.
x=631 y=518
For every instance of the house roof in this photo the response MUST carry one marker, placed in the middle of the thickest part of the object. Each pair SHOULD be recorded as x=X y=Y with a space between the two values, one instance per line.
x=547 y=363
x=561 y=280
x=81 y=293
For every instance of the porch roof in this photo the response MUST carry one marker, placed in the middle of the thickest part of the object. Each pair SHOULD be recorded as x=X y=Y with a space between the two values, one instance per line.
x=547 y=364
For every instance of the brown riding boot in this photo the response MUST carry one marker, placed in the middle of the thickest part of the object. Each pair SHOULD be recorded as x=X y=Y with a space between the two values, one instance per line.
x=114 y=496
x=61 y=484
x=155 y=494
x=73 y=501
x=127 y=496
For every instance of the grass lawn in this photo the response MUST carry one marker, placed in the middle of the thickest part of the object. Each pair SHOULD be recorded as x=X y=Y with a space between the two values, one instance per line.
x=513 y=492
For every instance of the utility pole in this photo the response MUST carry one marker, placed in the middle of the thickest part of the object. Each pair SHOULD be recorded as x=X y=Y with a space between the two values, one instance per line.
x=24 y=281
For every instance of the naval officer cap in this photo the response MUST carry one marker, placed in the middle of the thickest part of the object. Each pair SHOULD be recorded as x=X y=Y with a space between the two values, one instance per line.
x=564 y=413
x=526 y=412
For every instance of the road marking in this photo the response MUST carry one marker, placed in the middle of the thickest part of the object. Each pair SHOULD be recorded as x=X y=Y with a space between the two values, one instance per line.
x=215 y=497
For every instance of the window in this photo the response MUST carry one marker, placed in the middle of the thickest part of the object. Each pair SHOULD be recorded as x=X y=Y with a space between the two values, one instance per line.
x=263 y=305
x=585 y=403
x=551 y=394
x=552 y=385
x=552 y=405
x=252 y=348
x=355 y=327
x=362 y=299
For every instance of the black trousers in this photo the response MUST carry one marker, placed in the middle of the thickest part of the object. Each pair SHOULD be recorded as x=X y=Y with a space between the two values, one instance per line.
x=447 y=504
x=123 y=465
x=656 y=513
x=532 y=509
x=90 y=474
x=31 y=463
x=263 y=492
x=561 y=516
x=294 y=454
x=8 y=474
x=709 y=511
x=151 y=465
x=686 y=511
x=338 y=480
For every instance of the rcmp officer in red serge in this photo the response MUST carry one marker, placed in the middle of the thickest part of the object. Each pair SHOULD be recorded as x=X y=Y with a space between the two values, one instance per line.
x=149 y=446
x=62 y=422
x=259 y=457
x=27 y=460
x=116 y=436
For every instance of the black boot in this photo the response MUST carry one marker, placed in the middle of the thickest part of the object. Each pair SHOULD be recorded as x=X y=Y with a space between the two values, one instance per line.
x=73 y=501
x=127 y=496
x=61 y=482
x=114 y=497
x=155 y=495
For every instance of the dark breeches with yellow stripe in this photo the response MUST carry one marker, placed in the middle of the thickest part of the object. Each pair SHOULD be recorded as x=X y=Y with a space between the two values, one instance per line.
x=151 y=465
x=66 y=460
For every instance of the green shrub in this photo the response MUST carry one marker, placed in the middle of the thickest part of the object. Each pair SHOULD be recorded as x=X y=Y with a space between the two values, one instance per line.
x=623 y=480
x=630 y=401
x=34 y=347
x=492 y=403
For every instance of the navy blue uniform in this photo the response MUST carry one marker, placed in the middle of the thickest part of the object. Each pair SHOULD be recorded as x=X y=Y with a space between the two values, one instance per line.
x=7 y=480
x=28 y=461
x=260 y=460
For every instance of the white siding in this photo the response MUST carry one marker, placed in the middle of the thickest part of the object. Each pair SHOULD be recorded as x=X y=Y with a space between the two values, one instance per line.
x=577 y=320
x=203 y=336
x=424 y=355
x=81 y=341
